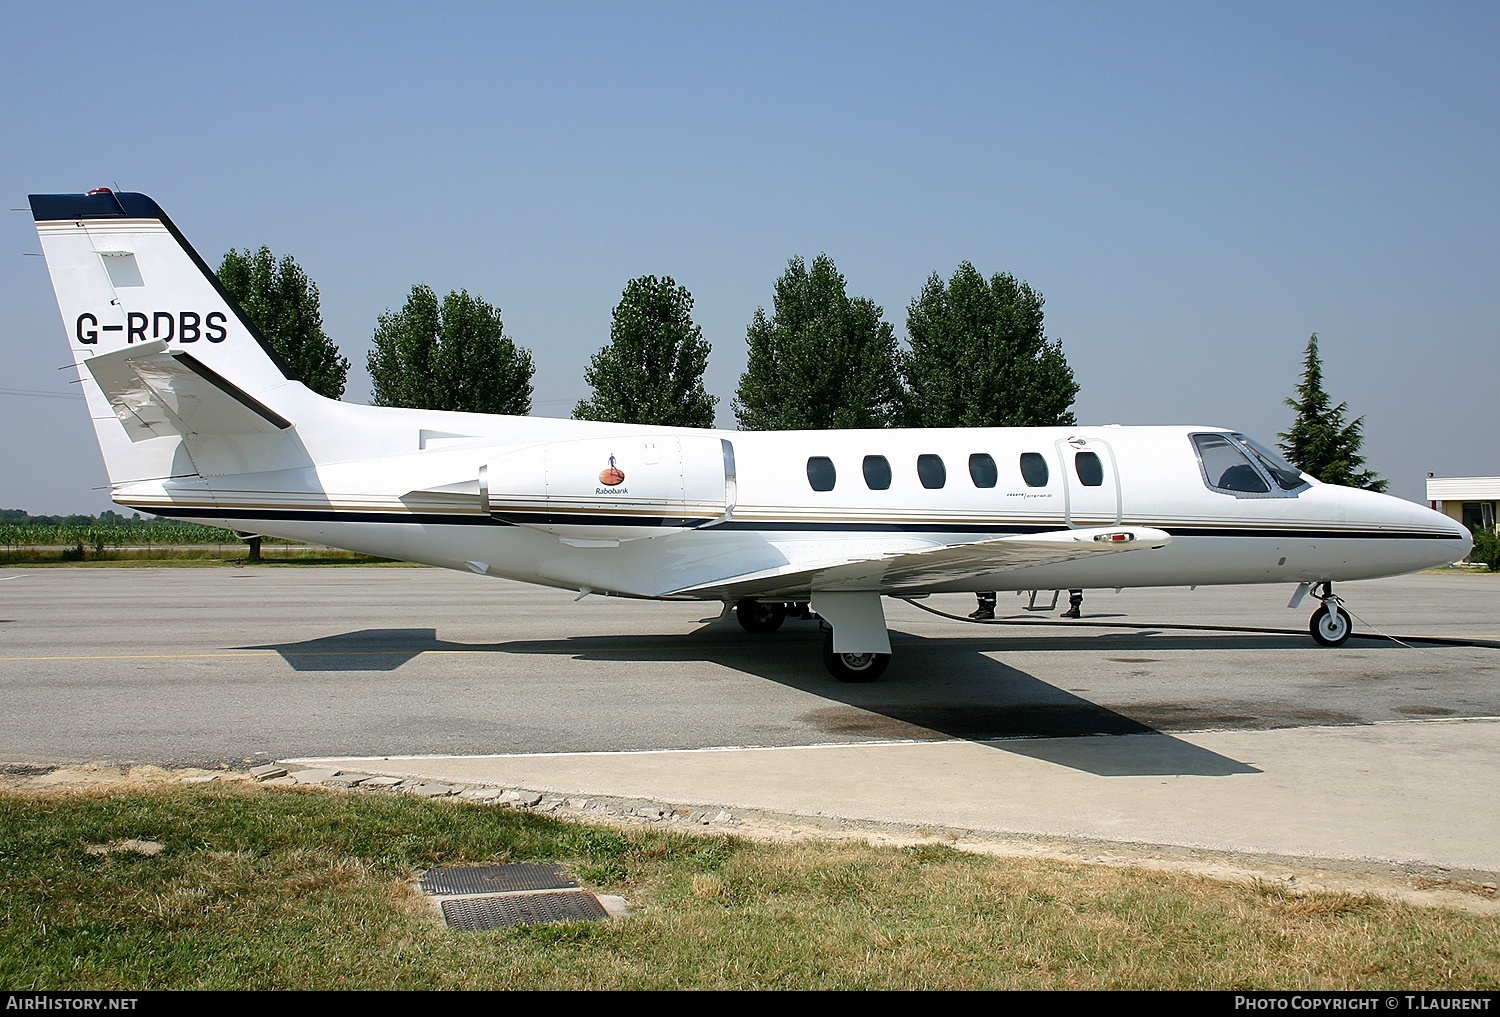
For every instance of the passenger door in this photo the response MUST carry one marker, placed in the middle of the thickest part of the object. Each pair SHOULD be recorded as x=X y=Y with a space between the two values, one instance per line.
x=1091 y=481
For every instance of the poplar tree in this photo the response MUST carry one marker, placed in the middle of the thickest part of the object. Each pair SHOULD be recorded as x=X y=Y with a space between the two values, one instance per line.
x=1320 y=443
x=451 y=354
x=980 y=357
x=652 y=370
x=820 y=359
x=282 y=303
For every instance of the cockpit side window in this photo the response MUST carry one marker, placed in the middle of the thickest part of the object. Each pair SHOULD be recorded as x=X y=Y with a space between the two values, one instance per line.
x=1226 y=468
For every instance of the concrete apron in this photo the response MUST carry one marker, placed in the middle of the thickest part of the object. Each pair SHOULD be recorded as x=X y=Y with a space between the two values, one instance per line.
x=1423 y=792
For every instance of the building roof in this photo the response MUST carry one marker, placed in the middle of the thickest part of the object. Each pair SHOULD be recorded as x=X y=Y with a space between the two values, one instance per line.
x=1463 y=488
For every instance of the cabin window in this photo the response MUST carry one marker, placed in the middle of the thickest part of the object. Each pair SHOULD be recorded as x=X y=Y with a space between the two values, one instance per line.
x=1226 y=468
x=1034 y=469
x=931 y=471
x=820 y=473
x=1090 y=469
x=982 y=470
x=877 y=473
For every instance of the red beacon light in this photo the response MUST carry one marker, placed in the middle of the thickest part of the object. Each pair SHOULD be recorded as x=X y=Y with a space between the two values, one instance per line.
x=101 y=190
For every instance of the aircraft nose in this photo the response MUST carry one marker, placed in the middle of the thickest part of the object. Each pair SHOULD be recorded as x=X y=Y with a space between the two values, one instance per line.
x=1462 y=535
x=1461 y=532
x=1423 y=538
x=1452 y=542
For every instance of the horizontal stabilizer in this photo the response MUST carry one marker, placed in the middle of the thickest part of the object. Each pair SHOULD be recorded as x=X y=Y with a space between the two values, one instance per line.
x=913 y=570
x=157 y=392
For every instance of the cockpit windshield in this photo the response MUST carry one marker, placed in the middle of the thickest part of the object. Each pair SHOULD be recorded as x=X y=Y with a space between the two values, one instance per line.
x=1287 y=476
x=1234 y=464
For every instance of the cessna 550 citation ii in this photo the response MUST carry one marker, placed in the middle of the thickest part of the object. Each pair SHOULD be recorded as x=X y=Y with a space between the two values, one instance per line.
x=199 y=419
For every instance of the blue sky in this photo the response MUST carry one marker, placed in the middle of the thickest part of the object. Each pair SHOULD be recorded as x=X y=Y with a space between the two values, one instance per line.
x=1194 y=188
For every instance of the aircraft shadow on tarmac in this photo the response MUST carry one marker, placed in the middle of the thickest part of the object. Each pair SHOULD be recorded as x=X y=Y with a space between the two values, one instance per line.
x=938 y=689
x=365 y=650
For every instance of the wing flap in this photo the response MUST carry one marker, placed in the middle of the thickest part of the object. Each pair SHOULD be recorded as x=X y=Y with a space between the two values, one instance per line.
x=910 y=570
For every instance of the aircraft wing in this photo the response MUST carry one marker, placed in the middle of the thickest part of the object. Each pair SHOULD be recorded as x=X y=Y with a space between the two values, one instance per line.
x=911 y=570
x=157 y=392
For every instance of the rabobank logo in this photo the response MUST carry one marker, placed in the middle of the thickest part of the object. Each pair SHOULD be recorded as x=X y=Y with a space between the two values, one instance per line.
x=613 y=479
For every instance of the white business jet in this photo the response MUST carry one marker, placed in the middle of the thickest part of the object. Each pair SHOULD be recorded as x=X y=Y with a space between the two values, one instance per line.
x=199 y=419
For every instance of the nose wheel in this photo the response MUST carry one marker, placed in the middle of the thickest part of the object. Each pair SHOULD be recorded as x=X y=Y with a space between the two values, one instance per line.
x=1331 y=624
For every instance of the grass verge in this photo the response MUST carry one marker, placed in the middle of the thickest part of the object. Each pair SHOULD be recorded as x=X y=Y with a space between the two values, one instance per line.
x=288 y=888
x=191 y=558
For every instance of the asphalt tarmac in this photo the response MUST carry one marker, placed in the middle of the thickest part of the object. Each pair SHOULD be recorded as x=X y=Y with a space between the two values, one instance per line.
x=1132 y=727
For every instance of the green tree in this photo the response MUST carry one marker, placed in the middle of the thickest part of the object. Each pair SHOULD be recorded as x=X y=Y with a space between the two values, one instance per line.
x=282 y=303
x=979 y=356
x=652 y=370
x=449 y=355
x=1319 y=442
x=822 y=359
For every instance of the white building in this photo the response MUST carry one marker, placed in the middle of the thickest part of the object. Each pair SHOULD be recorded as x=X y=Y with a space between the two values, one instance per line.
x=1470 y=500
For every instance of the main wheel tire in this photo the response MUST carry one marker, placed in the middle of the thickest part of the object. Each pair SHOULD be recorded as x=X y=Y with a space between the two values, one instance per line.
x=853 y=667
x=759 y=618
x=1331 y=627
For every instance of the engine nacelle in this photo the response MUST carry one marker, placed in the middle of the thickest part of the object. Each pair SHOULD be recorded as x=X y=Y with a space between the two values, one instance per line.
x=614 y=488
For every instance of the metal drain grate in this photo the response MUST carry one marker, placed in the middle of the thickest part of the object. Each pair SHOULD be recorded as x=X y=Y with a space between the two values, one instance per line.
x=465 y=879
x=479 y=914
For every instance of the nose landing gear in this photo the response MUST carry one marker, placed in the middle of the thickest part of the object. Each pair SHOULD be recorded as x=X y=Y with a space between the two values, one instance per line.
x=1331 y=624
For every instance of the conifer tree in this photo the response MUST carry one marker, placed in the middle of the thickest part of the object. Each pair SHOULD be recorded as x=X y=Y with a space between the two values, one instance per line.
x=1320 y=443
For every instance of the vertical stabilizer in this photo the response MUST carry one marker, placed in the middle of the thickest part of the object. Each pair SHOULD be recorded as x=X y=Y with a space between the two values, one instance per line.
x=125 y=277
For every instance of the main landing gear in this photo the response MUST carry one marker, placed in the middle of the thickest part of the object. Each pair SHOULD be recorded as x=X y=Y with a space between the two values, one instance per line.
x=856 y=647
x=853 y=667
x=1331 y=624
